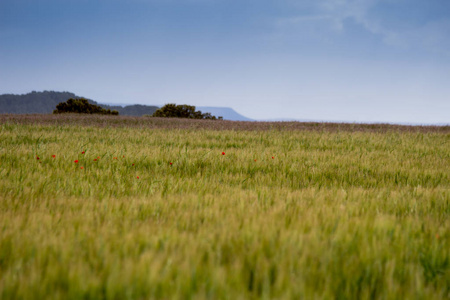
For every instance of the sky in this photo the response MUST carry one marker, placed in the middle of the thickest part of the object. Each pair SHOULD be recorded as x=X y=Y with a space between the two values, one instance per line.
x=328 y=60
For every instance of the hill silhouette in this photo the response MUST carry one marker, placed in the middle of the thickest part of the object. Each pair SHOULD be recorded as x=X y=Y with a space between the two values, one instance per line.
x=46 y=101
x=226 y=112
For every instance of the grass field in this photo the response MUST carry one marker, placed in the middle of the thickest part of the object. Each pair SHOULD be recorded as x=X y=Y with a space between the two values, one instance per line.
x=117 y=208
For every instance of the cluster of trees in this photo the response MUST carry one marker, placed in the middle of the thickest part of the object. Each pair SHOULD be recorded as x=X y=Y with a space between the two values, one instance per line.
x=82 y=106
x=182 y=111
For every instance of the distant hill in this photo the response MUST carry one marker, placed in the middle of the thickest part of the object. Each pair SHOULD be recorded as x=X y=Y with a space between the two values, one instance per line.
x=131 y=110
x=45 y=102
x=226 y=112
x=32 y=103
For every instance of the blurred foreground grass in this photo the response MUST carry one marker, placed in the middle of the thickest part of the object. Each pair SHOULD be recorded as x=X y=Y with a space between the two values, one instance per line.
x=349 y=215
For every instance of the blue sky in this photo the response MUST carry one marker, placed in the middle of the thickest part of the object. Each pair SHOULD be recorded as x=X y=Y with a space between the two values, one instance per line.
x=344 y=60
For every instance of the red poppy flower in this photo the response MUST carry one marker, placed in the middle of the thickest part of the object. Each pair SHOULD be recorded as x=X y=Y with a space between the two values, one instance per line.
x=53 y=155
x=82 y=168
x=170 y=163
x=273 y=157
x=37 y=157
x=223 y=153
x=82 y=152
x=76 y=161
x=255 y=159
x=114 y=157
x=95 y=159
x=137 y=177
x=98 y=157
x=123 y=156
x=132 y=164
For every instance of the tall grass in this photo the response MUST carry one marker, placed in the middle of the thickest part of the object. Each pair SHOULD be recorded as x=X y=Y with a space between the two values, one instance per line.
x=334 y=214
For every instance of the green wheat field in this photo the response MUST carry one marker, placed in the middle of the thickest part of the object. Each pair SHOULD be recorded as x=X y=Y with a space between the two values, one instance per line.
x=95 y=208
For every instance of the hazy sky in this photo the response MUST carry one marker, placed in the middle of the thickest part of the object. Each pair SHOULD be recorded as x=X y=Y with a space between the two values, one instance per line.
x=349 y=60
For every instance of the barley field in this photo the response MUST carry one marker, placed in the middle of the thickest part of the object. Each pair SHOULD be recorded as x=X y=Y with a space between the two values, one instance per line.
x=144 y=208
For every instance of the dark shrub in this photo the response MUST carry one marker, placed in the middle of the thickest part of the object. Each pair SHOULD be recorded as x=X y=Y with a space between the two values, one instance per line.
x=82 y=106
x=182 y=111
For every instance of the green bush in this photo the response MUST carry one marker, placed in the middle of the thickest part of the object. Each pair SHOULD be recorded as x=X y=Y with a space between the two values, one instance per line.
x=182 y=111
x=82 y=106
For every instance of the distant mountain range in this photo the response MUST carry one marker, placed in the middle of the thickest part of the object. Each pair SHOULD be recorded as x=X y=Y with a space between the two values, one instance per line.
x=45 y=102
